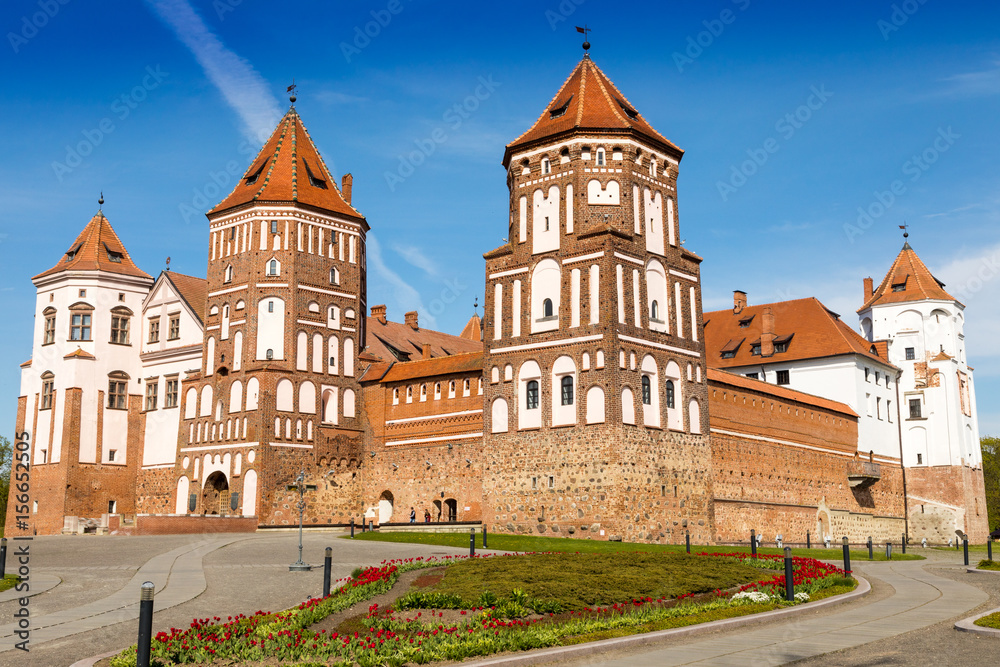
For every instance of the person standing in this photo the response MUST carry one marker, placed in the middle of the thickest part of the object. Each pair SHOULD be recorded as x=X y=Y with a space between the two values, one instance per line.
x=413 y=515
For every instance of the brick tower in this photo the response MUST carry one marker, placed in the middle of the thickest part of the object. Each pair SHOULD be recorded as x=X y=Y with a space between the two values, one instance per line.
x=277 y=392
x=595 y=409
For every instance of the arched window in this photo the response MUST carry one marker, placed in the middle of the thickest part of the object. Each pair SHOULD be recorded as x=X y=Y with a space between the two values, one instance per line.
x=546 y=166
x=547 y=308
x=334 y=276
x=670 y=395
x=499 y=416
x=600 y=157
x=654 y=310
x=546 y=283
x=647 y=394
x=229 y=273
x=272 y=267
x=531 y=395
x=567 y=390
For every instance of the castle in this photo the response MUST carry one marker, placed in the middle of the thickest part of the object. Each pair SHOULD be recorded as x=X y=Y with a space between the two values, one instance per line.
x=595 y=399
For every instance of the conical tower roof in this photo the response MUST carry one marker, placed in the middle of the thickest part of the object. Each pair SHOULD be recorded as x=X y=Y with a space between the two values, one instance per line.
x=908 y=279
x=288 y=169
x=473 y=329
x=589 y=101
x=97 y=248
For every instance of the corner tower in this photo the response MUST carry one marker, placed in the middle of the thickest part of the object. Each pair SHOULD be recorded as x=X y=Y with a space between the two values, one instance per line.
x=922 y=327
x=595 y=405
x=277 y=391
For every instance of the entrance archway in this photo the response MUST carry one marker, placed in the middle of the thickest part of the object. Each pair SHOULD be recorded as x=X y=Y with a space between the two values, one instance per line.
x=215 y=494
x=385 y=507
x=451 y=506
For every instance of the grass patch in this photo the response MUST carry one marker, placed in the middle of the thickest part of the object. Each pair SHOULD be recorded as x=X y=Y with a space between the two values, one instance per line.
x=670 y=623
x=599 y=579
x=991 y=621
x=9 y=582
x=505 y=542
x=989 y=565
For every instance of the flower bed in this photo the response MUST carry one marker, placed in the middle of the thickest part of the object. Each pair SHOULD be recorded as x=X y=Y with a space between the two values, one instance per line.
x=511 y=623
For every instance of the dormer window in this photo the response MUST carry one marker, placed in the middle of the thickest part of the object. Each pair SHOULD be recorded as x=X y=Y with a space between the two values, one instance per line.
x=560 y=108
x=252 y=178
x=71 y=253
x=755 y=350
x=113 y=255
x=629 y=111
x=745 y=322
x=899 y=288
x=314 y=180
x=546 y=166
x=600 y=157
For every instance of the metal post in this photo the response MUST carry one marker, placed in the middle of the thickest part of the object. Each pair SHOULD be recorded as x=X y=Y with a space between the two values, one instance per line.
x=300 y=486
x=989 y=548
x=789 y=576
x=145 y=624
x=687 y=540
x=847 y=557
x=808 y=542
x=484 y=537
x=327 y=566
x=903 y=542
x=371 y=525
x=888 y=550
x=753 y=542
x=352 y=527
x=472 y=541
x=3 y=557
x=965 y=549
x=871 y=553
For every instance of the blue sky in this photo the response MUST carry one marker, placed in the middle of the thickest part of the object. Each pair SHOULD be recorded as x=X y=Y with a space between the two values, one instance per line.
x=834 y=100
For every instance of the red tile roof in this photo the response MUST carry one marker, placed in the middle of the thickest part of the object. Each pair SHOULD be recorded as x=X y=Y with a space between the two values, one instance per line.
x=97 y=248
x=425 y=368
x=816 y=332
x=724 y=377
x=79 y=354
x=588 y=101
x=193 y=290
x=473 y=329
x=288 y=168
x=395 y=341
x=916 y=280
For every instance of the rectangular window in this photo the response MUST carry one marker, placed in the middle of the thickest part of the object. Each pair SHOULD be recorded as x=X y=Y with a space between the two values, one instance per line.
x=170 y=399
x=175 y=328
x=79 y=326
x=731 y=354
x=911 y=354
x=920 y=460
x=274 y=226
x=755 y=350
x=781 y=347
x=552 y=482
x=867 y=371
x=119 y=329
x=534 y=482
x=111 y=454
x=782 y=377
x=152 y=388
x=50 y=330
x=45 y=456
x=878 y=407
x=154 y=330
x=48 y=386
x=888 y=411
x=116 y=394
x=752 y=376
x=914 y=408
x=83 y=294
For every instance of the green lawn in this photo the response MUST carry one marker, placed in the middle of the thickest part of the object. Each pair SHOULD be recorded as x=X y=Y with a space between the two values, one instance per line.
x=9 y=582
x=506 y=542
x=991 y=621
x=989 y=565
x=973 y=549
x=599 y=579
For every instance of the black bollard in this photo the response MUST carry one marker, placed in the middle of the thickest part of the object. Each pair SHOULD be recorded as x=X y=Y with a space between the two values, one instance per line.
x=3 y=557
x=687 y=540
x=989 y=548
x=871 y=553
x=789 y=576
x=808 y=542
x=363 y=526
x=484 y=537
x=753 y=543
x=472 y=541
x=847 y=557
x=965 y=549
x=145 y=624
x=352 y=527
x=903 y=543
x=327 y=565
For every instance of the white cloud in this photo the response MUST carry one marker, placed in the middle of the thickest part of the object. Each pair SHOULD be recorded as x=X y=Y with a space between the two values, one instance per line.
x=240 y=84
x=416 y=257
x=405 y=296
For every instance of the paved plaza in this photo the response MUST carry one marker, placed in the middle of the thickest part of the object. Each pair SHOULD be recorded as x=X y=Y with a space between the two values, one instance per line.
x=90 y=590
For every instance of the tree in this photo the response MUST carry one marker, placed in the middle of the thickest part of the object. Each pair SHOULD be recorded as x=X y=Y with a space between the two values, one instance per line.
x=5 y=460
x=991 y=475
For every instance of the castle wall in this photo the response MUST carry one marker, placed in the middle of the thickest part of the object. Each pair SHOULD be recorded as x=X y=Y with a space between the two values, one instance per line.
x=944 y=500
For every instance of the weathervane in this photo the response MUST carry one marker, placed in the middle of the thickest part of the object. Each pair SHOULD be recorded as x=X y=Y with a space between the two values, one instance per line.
x=475 y=305
x=291 y=91
x=168 y=263
x=585 y=31
x=903 y=226
x=100 y=202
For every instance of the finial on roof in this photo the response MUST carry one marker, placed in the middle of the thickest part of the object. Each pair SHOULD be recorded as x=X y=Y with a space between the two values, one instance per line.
x=585 y=31
x=903 y=226
x=168 y=263
x=291 y=91
x=100 y=202
x=475 y=305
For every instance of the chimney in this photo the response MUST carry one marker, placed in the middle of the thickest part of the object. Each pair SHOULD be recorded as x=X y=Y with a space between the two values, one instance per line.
x=378 y=312
x=869 y=288
x=411 y=320
x=739 y=301
x=345 y=187
x=767 y=333
x=425 y=352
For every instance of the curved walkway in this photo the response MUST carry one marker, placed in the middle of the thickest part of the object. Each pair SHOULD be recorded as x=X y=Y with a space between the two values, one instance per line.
x=178 y=577
x=920 y=599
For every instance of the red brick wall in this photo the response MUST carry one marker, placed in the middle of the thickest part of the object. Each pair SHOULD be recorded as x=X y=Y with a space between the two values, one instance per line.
x=935 y=492
x=186 y=525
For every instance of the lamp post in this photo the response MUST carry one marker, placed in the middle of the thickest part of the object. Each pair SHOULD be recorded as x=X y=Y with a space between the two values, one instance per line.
x=301 y=487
